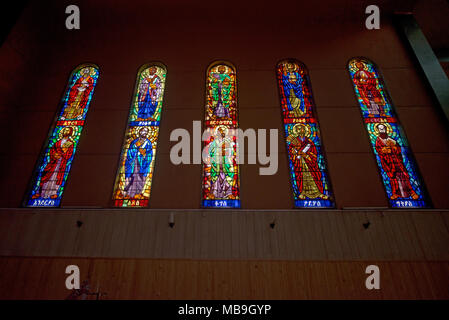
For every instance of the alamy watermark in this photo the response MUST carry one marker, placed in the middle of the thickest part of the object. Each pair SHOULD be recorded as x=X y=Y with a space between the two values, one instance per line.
x=373 y=20
x=73 y=20
x=225 y=145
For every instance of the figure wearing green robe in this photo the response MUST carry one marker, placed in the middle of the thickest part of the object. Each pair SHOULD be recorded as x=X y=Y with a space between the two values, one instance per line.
x=222 y=171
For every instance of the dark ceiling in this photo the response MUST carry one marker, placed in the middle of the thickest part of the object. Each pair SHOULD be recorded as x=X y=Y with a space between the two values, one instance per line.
x=433 y=18
x=431 y=15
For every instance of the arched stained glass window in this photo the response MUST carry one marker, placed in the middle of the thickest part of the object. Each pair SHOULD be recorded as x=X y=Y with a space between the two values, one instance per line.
x=133 y=183
x=308 y=174
x=54 y=166
x=399 y=172
x=220 y=168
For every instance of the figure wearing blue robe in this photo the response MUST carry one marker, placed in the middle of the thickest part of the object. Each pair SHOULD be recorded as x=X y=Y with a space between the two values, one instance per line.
x=137 y=165
x=149 y=92
x=148 y=105
x=292 y=84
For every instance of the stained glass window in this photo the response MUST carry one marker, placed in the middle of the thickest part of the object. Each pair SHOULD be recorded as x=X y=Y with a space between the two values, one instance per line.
x=398 y=169
x=220 y=168
x=133 y=183
x=308 y=174
x=54 y=166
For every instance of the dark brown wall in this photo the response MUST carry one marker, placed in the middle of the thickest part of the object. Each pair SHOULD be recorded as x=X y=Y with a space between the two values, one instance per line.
x=39 y=55
x=44 y=278
x=319 y=254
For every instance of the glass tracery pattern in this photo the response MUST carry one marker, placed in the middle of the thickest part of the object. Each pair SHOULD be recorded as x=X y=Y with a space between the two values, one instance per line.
x=220 y=168
x=54 y=166
x=308 y=174
x=399 y=173
x=133 y=183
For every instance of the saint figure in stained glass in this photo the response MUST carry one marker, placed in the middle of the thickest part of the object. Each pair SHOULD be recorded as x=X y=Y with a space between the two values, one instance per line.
x=292 y=85
x=137 y=164
x=397 y=167
x=220 y=168
x=304 y=156
x=136 y=168
x=310 y=182
x=150 y=90
x=221 y=151
x=369 y=90
x=53 y=167
x=54 y=171
x=79 y=95
x=221 y=92
x=392 y=161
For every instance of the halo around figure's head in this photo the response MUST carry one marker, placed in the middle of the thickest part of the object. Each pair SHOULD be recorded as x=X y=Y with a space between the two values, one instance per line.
x=219 y=129
x=388 y=128
x=85 y=70
x=151 y=135
x=222 y=68
x=297 y=127
x=90 y=70
x=67 y=131
x=358 y=64
x=146 y=73
x=152 y=70
x=144 y=131
x=291 y=66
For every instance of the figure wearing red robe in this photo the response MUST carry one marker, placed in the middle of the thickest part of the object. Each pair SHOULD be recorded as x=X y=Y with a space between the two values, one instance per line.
x=366 y=83
x=79 y=96
x=393 y=163
x=53 y=173
x=304 y=156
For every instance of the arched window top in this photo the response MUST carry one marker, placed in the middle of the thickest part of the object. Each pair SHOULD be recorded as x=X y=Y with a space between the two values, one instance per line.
x=398 y=169
x=213 y=67
x=352 y=63
x=83 y=79
x=54 y=165
x=308 y=173
x=294 y=62
x=93 y=68
x=222 y=89
x=85 y=70
x=151 y=76
x=135 y=173
x=156 y=64
x=150 y=68
x=294 y=71
x=364 y=74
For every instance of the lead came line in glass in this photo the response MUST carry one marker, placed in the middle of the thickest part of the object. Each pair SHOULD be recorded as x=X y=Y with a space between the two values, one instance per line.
x=308 y=174
x=399 y=173
x=54 y=166
x=220 y=170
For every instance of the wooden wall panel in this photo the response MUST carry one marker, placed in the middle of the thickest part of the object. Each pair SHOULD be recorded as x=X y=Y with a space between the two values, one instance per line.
x=433 y=235
x=224 y=235
x=44 y=278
